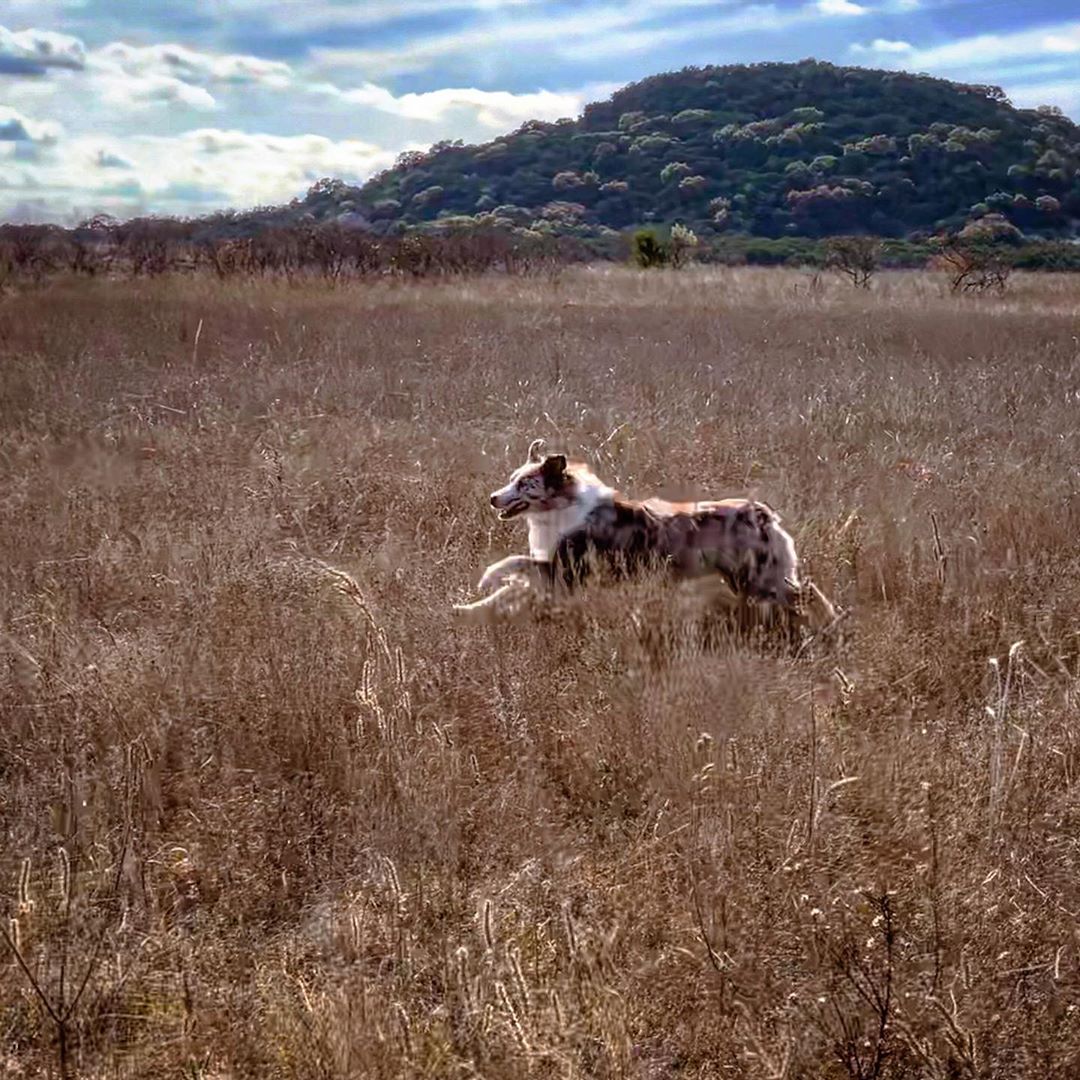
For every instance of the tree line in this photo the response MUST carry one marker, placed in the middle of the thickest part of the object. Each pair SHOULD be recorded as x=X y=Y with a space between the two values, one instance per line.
x=330 y=251
x=983 y=252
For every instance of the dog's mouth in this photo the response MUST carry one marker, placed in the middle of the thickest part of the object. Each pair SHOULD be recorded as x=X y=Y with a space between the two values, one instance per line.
x=513 y=510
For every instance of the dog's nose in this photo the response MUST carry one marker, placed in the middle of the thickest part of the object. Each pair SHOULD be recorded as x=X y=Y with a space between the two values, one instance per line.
x=494 y=499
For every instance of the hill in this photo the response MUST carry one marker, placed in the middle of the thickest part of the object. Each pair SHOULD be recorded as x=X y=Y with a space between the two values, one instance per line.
x=805 y=149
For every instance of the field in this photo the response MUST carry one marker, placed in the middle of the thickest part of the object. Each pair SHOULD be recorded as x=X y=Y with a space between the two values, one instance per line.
x=257 y=825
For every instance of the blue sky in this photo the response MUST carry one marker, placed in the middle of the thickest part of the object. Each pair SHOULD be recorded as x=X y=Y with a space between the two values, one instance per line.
x=132 y=106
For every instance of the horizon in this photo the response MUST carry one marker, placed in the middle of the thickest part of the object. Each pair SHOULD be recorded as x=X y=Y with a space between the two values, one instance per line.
x=112 y=108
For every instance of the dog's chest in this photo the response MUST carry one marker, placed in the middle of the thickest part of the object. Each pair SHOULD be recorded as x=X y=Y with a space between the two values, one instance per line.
x=546 y=530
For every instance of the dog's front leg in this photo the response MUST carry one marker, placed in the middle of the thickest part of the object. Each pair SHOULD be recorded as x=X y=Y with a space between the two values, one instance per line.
x=498 y=572
x=509 y=601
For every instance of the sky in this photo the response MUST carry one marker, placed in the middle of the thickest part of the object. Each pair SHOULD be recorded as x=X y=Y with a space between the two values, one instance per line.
x=188 y=106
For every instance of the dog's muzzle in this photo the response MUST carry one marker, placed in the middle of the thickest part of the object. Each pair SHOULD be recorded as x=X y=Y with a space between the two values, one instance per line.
x=507 y=508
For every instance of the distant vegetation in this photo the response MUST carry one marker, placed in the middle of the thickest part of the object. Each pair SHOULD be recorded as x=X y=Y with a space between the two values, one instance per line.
x=771 y=150
x=329 y=251
x=332 y=252
x=762 y=164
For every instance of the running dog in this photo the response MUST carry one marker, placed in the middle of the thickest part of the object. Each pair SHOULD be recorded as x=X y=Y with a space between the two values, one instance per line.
x=578 y=525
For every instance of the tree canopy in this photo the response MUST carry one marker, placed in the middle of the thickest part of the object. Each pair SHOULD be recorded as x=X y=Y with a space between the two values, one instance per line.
x=803 y=149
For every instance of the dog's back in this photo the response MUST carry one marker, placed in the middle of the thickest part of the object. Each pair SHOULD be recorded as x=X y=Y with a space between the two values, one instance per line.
x=739 y=538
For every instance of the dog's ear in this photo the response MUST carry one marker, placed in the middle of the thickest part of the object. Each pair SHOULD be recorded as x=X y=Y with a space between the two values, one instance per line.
x=554 y=466
x=536 y=448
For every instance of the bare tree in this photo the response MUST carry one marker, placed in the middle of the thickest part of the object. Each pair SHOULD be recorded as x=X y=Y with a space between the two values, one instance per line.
x=975 y=265
x=856 y=257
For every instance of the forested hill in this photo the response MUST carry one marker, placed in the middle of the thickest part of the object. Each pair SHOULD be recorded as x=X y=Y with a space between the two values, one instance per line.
x=769 y=149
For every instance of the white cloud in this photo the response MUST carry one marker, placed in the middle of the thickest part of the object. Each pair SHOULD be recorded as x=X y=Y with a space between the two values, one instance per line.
x=15 y=127
x=883 y=46
x=127 y=80
x=110 y=159
x=124 y=90
x=135 y=77
x=587 y=34
x=1066 y=95
x=497 y=109
x=132 y=92
x=840 y=7
x=178 y=62
x=191 y=173
x=607 y=30
x=342 y=14
x=421 y=54
x=1068 y=42
x=1011 y=59
x=30 y=52
x=1063 y=39
x=749 y=19
x=107 y=161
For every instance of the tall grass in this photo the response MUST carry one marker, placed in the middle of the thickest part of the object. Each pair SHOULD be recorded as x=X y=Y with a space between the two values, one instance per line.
x=267 y=811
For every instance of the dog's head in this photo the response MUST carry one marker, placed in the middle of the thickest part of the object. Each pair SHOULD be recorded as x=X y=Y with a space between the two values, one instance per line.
x=542 y=484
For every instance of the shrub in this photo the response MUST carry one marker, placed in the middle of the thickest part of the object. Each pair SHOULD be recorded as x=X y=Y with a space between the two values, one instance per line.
x=565 y=181
x=681 y=245
x=992 y=228
x=674 y=170
x=649 y=249
x=693 y=185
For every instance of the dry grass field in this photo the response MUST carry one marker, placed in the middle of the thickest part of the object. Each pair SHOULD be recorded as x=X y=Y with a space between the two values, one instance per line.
x=252 y=825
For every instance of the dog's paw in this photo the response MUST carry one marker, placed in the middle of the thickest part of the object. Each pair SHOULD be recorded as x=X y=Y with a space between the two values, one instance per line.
x=478 y=612
x=474 y=605
x=491 y=579
x=513 y=599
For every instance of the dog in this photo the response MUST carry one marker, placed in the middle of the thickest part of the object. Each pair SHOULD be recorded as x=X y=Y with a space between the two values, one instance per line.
x=578 y=525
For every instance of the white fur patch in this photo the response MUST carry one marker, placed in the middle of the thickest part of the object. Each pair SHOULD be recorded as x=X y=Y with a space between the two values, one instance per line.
x=548 y=527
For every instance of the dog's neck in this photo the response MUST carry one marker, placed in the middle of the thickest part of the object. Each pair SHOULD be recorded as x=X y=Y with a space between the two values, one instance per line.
x=548 y=527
